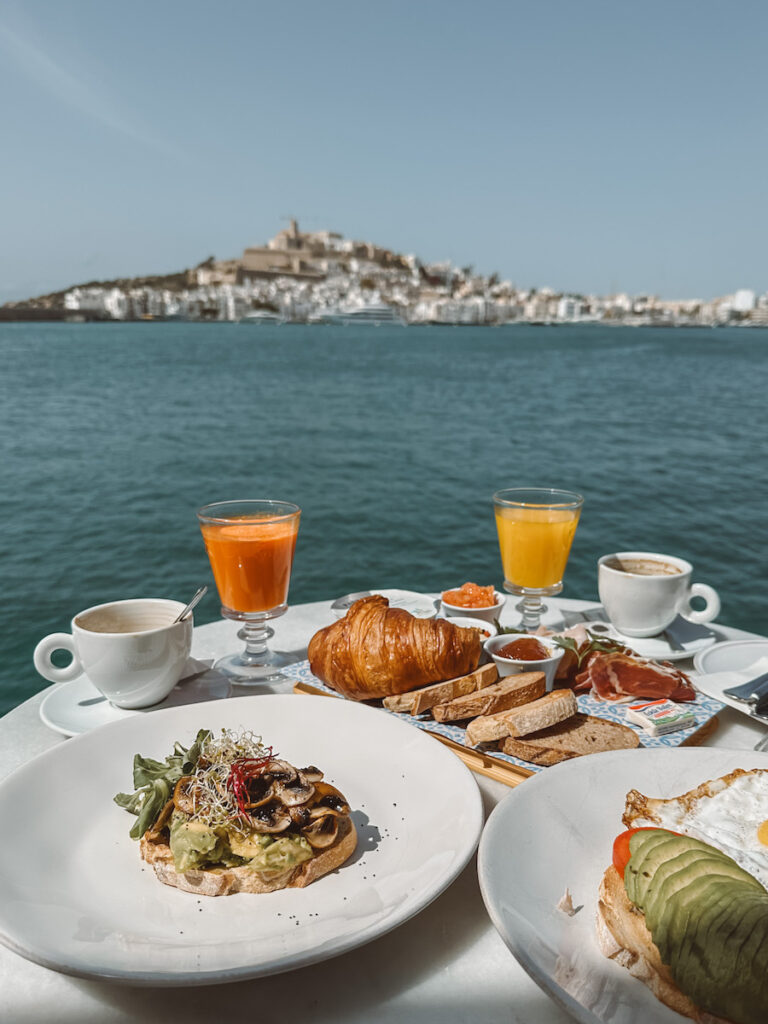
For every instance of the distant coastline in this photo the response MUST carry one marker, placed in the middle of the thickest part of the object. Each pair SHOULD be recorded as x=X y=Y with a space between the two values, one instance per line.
x=322 y=278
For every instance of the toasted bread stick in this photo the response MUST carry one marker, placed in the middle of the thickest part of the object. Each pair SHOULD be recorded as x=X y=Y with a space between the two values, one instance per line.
x=509 y=692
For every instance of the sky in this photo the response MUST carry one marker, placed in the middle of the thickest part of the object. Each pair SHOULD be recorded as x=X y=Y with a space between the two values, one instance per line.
x=586 y=146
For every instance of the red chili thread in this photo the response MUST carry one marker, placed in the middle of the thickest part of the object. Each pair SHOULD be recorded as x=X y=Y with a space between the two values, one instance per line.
x=243 y=769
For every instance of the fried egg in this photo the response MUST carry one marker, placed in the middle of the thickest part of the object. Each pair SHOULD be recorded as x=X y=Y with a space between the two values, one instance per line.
x=730 y=814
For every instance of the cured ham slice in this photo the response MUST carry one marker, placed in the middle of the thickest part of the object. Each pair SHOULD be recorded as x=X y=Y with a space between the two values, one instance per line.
x=616 y=677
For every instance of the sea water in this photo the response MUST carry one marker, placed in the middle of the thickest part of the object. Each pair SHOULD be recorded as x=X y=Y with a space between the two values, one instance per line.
x=392 y=440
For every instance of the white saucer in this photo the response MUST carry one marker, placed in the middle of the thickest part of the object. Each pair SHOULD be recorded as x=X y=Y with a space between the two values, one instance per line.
x=77 y=707
x=657 y=648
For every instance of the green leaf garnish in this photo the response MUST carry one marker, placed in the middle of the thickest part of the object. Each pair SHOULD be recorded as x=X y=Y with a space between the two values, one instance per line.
x=595 y=643
x=154 y=782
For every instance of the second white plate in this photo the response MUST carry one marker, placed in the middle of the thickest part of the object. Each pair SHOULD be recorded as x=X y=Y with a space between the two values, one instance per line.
x=552 y=833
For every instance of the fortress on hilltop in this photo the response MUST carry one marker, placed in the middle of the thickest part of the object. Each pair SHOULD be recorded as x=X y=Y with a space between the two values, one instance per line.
x=323 y=277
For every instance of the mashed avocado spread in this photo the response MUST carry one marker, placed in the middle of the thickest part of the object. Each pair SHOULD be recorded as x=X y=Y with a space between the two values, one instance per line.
x=196 y=845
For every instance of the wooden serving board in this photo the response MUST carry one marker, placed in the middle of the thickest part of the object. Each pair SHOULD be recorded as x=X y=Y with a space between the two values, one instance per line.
x=511 y=770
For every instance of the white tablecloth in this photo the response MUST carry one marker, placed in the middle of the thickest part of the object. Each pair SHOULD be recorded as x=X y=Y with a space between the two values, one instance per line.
x=446 y=966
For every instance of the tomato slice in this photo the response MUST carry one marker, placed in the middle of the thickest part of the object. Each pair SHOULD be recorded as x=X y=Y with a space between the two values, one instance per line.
x=621 y=851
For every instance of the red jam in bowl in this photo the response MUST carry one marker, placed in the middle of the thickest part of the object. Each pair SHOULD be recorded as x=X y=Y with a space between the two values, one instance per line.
x=526 y=648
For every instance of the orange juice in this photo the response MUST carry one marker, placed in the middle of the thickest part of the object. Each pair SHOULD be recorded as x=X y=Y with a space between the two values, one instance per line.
x=535 y=543
x=251 y=561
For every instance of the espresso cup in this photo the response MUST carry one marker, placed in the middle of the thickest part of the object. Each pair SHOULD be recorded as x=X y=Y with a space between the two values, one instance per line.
x=643 y=592
x=132 y=651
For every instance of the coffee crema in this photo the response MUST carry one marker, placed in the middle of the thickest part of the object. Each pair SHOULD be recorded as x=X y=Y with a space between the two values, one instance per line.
x=643 y=566
x=111 y=621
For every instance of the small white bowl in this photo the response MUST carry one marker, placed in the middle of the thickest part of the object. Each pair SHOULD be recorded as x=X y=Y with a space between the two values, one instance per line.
x=467 y=622
x=451 y=611
x=512 y=666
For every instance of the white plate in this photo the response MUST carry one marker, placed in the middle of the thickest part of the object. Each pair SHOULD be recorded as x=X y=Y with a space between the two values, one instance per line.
x=420 y=605
x=76 y=707
x=551 y=834
x=655 y=647
x=731 y=656
x=80 y=900
x=729 y=664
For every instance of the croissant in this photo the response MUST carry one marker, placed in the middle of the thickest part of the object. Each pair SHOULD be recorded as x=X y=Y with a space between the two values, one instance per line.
x=376 y=651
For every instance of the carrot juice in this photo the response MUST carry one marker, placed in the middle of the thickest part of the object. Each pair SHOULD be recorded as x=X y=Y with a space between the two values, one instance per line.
x=251 y=561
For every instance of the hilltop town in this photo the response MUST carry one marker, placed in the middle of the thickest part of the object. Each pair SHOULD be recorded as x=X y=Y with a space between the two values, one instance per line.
x=322 y=277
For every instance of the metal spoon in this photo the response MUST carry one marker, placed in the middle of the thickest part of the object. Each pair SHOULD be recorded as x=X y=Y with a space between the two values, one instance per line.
x=198 y=594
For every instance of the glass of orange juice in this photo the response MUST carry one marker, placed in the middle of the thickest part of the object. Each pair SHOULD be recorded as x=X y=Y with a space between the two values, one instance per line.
x=250 y=546
x=535 y=527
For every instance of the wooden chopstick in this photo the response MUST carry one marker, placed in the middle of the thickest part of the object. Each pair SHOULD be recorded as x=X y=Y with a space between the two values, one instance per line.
x=476 y=760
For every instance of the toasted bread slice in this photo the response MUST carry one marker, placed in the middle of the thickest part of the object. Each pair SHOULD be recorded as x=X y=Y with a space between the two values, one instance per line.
x=509 y=692
x=527 y=718
x=623 y=936
x=533 y=754
x=224 y=881
x=577 y=735
x=416 y=701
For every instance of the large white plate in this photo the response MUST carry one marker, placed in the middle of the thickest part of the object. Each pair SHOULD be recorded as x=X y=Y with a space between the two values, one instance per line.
x=555 y=832
x=75 y=896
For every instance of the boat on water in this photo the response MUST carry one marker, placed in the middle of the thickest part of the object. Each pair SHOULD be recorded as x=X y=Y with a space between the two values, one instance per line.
x=375 y=314
x=261 y=316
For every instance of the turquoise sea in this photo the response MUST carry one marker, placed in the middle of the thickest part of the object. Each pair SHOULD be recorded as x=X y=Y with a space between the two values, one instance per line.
x=392 y=440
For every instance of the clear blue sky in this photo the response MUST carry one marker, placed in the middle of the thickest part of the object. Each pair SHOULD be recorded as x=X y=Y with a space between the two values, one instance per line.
x=590 y=146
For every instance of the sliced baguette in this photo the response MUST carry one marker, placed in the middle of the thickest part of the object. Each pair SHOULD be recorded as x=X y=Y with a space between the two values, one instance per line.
x=580 y=734
x=529 y=717
x=509 y=692
x=417 y=701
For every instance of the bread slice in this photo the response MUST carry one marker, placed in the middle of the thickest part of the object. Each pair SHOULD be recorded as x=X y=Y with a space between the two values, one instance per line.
x=509 y=692
x=525 y=751
x=623 y=936
x=417 y=701
x=577 y=735
x=529 y=717
x=225 y=881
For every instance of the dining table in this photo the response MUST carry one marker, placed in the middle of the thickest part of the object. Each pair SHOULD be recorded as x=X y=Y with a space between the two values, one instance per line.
x=446 y=965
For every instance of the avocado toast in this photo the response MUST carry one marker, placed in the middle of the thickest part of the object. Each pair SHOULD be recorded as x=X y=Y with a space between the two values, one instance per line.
x=225 y=816
x=688 y=921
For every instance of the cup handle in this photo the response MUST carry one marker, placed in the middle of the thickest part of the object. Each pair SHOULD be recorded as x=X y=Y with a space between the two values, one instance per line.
x=44 y=665
x=712 y=608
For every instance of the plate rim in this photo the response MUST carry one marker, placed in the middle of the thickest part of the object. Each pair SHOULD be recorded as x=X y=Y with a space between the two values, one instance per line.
x=290 y=962
x=671 y=654
x=544 y=980
x=699 y=656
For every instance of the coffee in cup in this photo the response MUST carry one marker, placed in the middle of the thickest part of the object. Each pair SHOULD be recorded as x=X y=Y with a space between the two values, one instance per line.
x=132 y=651
x=643 y=592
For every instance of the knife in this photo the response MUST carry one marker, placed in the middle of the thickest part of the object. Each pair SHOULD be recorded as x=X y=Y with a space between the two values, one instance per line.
x=752 y=692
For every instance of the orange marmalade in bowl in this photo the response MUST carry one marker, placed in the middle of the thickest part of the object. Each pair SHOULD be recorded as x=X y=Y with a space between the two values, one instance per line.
x=470 y=595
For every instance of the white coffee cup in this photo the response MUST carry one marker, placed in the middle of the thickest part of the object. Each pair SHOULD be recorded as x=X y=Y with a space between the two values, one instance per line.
x=132 y=651
x=643 y=592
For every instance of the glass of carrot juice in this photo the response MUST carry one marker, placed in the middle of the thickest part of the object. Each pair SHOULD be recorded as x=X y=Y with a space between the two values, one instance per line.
x=535 y=527
x=250 y=546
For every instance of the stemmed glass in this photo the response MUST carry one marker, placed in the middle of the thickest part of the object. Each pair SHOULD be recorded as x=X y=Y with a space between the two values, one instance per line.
x=536 y=527
x=250 y=545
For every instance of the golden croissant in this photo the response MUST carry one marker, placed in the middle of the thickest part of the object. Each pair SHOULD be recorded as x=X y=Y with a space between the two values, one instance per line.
x=376 y=651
